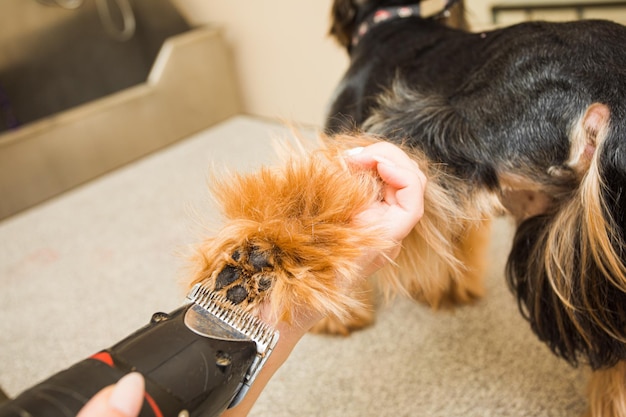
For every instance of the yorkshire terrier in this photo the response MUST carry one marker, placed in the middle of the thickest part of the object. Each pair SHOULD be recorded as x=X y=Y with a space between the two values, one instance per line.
x=530 y=119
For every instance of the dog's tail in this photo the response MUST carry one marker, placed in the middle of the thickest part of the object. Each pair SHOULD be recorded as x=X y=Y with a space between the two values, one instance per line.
x=568 y=266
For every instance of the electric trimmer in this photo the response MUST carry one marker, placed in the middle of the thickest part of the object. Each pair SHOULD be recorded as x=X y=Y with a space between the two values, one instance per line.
x=198 y=360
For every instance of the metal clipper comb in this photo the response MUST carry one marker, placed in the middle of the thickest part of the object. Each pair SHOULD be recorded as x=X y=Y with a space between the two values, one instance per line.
x=213 y=315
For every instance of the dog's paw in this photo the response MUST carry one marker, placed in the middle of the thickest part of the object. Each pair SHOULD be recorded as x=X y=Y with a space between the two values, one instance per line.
x=450 y=296
x=247 y=277
x=333 y=325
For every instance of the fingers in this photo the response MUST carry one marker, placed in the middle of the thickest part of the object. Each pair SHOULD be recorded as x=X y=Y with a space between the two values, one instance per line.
x=394 y=166
x=404 y=193
x=368 y=156
x=403 y=190
x=124 y=399
x=407 y=182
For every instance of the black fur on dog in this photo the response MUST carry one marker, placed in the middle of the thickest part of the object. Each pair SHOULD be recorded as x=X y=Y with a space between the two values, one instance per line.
x=535 y=113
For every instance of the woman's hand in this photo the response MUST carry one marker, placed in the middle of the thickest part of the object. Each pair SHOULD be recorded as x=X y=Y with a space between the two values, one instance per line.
x=402 y=203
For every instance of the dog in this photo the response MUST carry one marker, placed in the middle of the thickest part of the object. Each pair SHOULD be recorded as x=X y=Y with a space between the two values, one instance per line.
x=529 y=120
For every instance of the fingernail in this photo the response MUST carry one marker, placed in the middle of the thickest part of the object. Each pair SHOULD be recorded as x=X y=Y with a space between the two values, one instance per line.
x=383 y=160
x=354 y=151
x=126 y=394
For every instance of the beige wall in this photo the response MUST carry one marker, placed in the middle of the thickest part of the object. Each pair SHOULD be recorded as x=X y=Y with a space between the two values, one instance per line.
x=286 y=64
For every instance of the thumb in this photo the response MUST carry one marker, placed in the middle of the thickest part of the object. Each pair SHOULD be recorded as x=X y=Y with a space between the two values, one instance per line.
x=407 y=186
x=124 y=399
x=390 y=173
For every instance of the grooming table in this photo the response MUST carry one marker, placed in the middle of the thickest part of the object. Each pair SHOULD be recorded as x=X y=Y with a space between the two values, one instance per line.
x=85 y=269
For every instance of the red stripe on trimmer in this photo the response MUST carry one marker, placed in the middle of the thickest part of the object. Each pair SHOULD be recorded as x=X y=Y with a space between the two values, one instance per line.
x=106 y=357
x=153 y=405
x=103 y=357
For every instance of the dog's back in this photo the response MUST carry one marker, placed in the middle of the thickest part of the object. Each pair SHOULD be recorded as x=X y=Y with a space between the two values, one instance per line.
x=506 y=90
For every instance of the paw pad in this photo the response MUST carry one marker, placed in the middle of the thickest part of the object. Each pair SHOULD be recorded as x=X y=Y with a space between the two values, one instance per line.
x=247 y=276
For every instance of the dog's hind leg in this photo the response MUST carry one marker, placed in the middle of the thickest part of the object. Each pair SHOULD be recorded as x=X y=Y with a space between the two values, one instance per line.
x=471 y=251
x=607 y=392
x=443 y=259
x=447 y=286
x=357 y=317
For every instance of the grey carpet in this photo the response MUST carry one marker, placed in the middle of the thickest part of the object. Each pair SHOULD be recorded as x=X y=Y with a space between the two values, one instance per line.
x=85 y=269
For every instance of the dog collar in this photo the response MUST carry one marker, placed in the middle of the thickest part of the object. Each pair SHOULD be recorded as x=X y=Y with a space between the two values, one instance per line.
x=386 y=14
